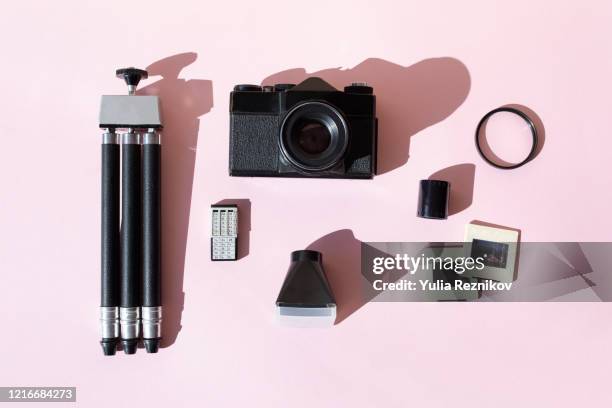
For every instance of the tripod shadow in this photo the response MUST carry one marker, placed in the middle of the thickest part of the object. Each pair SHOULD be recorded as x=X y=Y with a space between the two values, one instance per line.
x=408 y=99
x=182 y=103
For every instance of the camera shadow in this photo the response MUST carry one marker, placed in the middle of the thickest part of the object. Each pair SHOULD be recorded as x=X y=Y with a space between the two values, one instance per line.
x=182 y=102
x=409 y=99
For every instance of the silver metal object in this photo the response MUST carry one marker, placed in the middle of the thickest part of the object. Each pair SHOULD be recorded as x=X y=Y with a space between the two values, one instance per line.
x=151 y=137
x=151 y=322
x=130 y=137
x=224 y=233
x=130 y=322
x=109 y=322
x=110 y=137
x=123 y=111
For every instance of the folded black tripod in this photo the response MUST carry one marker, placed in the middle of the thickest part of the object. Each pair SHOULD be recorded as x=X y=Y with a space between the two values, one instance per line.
x=131 y=229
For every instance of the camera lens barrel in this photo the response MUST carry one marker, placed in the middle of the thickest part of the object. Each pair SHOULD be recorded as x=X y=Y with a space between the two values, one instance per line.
x=314 y=136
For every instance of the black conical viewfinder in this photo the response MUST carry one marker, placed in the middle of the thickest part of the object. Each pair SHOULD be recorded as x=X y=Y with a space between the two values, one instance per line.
x=306 y=284
x=131 y=75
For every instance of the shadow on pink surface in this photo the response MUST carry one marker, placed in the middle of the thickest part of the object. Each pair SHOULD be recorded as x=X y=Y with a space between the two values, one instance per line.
x=546 y=271
x=342 y=264
x=409 y=99
x=182 y=103
x=546 y=278
x=461 y=179
x=537 y=121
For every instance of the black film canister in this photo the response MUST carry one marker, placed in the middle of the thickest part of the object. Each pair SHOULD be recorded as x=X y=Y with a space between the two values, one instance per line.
x=433 y=199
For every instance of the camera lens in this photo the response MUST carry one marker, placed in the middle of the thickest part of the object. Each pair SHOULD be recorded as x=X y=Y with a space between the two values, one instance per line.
x=314 y=136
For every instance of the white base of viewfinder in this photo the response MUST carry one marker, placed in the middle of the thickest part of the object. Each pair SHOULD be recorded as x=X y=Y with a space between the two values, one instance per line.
x=306 y=316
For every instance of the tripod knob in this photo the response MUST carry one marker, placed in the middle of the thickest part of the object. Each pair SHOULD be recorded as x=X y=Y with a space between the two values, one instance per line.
x=132 y=77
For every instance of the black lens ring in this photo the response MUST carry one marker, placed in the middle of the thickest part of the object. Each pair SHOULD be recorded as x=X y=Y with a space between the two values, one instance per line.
x=339 y=139
x=522 y=115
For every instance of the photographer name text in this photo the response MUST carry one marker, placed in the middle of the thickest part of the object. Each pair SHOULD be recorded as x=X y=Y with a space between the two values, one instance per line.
x=439 y=285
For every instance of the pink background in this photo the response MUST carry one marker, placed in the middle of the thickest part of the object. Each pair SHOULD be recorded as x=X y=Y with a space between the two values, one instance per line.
x=441 y=66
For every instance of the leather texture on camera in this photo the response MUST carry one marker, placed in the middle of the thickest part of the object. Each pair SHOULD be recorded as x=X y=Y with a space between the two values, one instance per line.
x=254 y=144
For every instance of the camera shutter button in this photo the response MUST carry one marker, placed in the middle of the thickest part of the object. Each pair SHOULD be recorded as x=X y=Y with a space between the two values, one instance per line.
x=359 y=87
x=247 y=88
x=283 y=87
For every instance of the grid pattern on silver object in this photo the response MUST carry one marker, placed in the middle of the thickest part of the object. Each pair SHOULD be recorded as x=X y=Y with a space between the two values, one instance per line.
x=224 y=233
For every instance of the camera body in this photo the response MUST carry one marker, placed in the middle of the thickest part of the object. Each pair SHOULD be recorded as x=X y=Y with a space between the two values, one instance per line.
x=305 y=130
